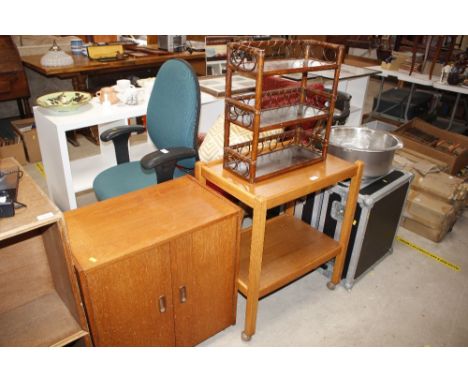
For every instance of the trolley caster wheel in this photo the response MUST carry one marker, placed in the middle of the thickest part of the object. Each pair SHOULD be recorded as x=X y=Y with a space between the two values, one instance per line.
x=245 y=337
x=331 y=286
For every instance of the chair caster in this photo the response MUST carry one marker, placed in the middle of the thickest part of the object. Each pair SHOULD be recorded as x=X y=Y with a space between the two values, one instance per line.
x=245 y=337
x=331 y=286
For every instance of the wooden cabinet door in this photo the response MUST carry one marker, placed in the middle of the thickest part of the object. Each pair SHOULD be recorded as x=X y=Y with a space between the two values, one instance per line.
x=123 y=300
x=203 y=278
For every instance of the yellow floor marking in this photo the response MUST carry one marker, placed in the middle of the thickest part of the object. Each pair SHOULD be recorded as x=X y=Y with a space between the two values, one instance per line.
x=441 y=260
x=40 y=168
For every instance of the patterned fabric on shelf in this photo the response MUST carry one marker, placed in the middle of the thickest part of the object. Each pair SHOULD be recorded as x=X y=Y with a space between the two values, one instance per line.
x=213 y=143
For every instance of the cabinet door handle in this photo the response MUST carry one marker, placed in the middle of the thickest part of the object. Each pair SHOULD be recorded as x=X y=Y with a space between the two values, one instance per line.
x=183 y=294
x=162 y=303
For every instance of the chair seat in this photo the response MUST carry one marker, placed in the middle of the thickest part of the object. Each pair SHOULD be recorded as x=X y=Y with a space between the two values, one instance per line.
x=126 y=177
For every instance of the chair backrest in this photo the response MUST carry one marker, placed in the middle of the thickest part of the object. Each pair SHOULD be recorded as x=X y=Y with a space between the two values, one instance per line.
x=174 y=107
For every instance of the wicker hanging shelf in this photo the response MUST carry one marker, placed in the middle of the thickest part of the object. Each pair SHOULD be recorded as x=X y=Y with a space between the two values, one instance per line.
x=304 y=114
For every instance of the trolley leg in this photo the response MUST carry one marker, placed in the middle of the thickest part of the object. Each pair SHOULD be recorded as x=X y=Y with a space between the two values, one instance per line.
x=255 y=268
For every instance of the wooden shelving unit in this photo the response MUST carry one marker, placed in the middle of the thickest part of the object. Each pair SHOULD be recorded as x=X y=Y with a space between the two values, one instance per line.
x=277 y=251
x=39 y=299
x=303 y=114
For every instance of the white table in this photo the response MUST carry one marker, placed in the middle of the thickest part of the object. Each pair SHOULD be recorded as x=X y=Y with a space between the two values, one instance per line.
x=211 y=109
x=420 y=79
x=65 y=178
x=414 y=79
x=459 y=89
x=353 y=80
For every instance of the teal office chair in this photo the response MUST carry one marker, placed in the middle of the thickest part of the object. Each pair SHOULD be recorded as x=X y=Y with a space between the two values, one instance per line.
x=172 y=124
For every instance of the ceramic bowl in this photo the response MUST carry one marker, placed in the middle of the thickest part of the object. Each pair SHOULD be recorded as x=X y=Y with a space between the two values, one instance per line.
x=64 y=101
x=144 y=82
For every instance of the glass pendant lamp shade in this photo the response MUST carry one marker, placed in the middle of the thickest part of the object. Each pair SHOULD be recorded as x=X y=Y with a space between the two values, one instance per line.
x=56 y=57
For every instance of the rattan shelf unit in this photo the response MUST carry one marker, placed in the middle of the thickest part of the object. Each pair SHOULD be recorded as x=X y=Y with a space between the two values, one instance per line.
x=302 y=115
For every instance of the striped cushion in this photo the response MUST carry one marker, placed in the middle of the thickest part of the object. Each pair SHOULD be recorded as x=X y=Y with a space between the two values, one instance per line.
x=212 y=146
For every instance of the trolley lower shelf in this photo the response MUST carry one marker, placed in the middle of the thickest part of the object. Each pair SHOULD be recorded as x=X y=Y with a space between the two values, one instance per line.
x=292 y=249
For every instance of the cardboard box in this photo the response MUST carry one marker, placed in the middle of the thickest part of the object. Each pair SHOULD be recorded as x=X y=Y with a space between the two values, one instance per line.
x=429 y=162
x=399 y=58
x=434 y=234
x=440 y=147
x=29 y=137
x=428 y=216
x=430 y=178
x=401 y=161
x=446 y=187
x=428 y=210
x=15 y=150
x=436 y=71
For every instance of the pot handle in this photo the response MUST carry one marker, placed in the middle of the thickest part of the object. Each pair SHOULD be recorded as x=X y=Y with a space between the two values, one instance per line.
x=400 y=144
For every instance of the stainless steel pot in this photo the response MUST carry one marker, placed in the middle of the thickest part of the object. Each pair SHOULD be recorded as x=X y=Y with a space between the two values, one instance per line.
x=374 y=147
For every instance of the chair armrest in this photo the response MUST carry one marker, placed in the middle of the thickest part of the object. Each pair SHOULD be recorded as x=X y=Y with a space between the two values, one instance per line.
x=343 y=103
x=116 y=132
x=119 y=136
x=165 y=160
x=342 y=107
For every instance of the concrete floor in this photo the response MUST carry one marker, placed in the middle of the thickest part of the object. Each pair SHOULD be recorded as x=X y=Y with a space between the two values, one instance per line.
x=408 y=299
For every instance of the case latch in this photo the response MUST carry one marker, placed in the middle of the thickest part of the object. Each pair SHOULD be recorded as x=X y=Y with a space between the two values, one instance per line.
x=337 y=210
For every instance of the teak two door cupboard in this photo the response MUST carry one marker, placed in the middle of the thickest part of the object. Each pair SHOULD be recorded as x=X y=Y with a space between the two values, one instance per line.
x=157 y=267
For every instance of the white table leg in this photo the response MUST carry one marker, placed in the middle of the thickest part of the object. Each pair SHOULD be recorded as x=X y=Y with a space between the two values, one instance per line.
x=357 y=88
x=54 y=151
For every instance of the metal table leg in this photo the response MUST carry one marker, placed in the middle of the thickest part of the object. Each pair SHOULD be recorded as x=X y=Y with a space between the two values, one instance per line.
x=409 y=102
x=377 y=104
x=455 y=106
